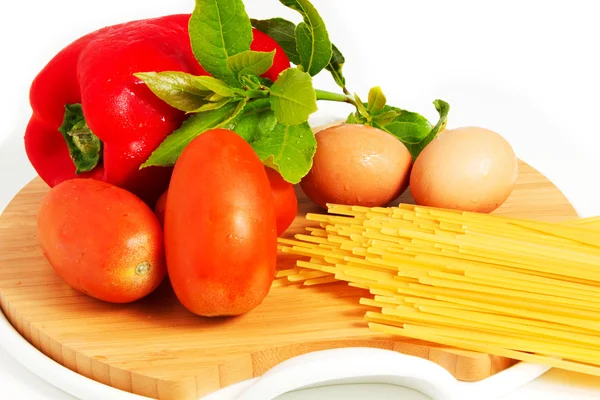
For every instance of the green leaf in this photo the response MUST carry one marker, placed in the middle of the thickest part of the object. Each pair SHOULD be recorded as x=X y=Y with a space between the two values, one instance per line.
x=250 y=63
x=293 y=98
x=250 y=82
x=256 y=118
x=443 y=109
x=312 y=40
x=377 y=100
x=178 y=89
x=283 y=32
x=218 y=30
x=361 y=108
x=336 y=65
x=386 y=117
x=171 y=148
x=85 y=148
x=217 y=86
x=246 y=125
x=288 y=149
x=352 y=119
x=214 y=97
x=213 y=105
x=409 y=127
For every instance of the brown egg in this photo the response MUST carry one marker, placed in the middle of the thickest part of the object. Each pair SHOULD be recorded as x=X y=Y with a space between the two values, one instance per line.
x=469 y=169
x=357 y=165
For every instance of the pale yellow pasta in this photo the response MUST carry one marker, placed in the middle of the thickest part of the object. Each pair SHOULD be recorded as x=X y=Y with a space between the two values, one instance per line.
x=516 y=288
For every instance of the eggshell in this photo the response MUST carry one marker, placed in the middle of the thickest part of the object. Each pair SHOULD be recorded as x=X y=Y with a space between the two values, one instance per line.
x=357 y=165
x=469 y=169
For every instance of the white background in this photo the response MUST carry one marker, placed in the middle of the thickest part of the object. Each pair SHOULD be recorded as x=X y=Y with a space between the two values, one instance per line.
x=527 y=69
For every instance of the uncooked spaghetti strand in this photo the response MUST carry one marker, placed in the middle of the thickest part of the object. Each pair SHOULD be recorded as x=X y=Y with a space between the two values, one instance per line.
x=530 y=294
x=516 y=325
x=448 y=289
x=524 y=310
x=491 y=304
x=535 y=287
x=460 y=261
x=536 y=264
x=491 y=272
x=510 y=266
x=576 y=233
x=438 y=304
x=571 y=352
x=494 y=350
x=317 y=267
x=321 y=281
x=589 y=222
x=475 y=330
x=535 y=249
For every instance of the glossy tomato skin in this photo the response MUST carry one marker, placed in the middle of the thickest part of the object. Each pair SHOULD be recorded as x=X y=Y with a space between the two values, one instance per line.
x=102 y=240
x=220 y=227
x=286 y=203
x=161 y=207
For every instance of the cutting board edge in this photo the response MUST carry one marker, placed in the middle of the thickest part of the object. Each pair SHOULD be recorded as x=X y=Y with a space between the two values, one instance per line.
x=224 y=373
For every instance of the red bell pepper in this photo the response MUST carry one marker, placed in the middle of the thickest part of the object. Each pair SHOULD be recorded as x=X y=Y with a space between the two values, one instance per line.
x=90 y=110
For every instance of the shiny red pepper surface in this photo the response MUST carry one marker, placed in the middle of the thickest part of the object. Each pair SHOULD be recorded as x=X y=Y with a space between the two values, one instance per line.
x=96 y=71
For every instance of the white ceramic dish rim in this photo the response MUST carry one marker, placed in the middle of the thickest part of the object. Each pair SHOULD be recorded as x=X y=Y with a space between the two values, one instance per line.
x=338 y=366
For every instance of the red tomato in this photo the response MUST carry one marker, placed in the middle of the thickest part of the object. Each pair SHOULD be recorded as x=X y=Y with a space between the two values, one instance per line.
x=286 y=203
x=102 y=240
x=220 y=226
x=161 y=207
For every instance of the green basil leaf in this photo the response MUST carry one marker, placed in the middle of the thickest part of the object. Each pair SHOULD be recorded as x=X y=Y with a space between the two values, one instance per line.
x=443 y=109
x=171 y=148
x=336 y=65
x=312 y=40
x=377 y=100
x=217 y=86
x=283 y=32
x=250 y=63
x=218 y=30
x=178 y=89
x=293 y=98
x=288 y=149
x=85 y=148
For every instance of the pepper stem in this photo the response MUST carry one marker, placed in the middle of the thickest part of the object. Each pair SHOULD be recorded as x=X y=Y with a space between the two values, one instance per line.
x=85 y=148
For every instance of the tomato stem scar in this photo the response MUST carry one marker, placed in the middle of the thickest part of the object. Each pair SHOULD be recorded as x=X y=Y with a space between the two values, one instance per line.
x=143 y=268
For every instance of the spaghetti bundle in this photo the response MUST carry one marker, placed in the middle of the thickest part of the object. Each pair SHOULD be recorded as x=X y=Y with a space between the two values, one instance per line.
x=522 y=289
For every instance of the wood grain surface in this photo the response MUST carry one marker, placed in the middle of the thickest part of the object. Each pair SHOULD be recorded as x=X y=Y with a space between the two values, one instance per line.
x=158 y=349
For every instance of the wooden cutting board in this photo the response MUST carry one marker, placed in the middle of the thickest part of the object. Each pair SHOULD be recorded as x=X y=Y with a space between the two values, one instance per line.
x=158 y=349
